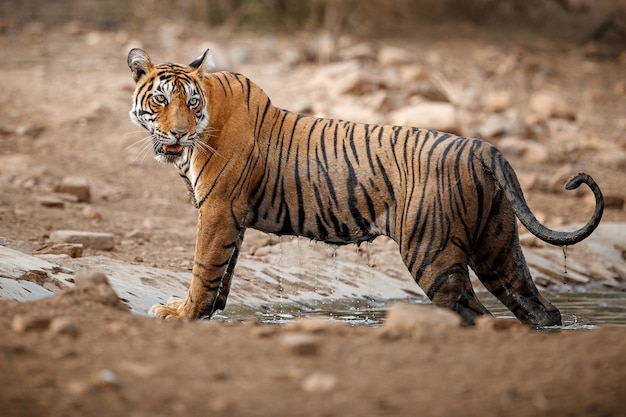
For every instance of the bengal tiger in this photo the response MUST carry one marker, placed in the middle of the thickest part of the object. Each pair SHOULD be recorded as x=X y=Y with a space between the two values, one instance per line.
x=449 y=202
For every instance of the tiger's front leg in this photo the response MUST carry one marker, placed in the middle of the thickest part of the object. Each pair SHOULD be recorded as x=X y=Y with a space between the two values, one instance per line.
x=217 y=249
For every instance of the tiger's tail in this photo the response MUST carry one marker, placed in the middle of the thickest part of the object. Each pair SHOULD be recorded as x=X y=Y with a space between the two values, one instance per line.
x=495 y=163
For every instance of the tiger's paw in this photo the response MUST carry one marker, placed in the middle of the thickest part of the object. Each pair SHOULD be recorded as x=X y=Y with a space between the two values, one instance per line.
x=172 y=310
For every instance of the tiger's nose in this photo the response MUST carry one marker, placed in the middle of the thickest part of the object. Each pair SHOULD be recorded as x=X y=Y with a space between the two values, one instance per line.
x=179 y=133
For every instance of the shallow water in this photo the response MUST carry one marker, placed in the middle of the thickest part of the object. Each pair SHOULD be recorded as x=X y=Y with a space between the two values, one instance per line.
x=579 y=310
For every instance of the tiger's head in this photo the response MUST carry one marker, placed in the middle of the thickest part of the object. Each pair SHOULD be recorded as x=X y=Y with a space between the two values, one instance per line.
x=170 y=102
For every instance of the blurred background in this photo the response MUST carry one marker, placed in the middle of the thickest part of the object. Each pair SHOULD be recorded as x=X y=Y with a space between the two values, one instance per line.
x=544 y=80
x=583 y=19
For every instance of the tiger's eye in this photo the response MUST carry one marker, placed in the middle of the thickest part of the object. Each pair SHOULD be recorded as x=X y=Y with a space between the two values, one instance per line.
x=159 y=99
x=193 y=102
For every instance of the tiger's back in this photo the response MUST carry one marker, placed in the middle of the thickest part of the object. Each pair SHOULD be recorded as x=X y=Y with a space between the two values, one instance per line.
x=448 y=201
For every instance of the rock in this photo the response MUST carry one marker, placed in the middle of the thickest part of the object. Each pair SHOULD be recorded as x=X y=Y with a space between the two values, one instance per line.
x=63 y=326
x=90 y=213
x=319 y=382
x=548 y=105
x=418 y=320
x=73 y=250
x=105 y=379
x=613 y=159
x=530 y=151
x=497 y=101
x=51 y=202
x=95 y=286
x=362 y=51
x=392 y=55
x=495 y=126
x=354 y=112
x=358 y=82
x=300 y=343
x=77 y=186
x=611 y=201
x=91 y=240
x=490 y=323
x=315 y=325
x=436 y=116
x=558 y=179
x=26 y=323
x=17 y=245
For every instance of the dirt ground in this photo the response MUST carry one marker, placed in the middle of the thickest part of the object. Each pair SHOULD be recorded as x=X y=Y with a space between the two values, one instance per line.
x=65 y=96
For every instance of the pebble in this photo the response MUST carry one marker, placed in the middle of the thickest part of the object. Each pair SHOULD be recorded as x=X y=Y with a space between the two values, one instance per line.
x=495 y=126
x=26 y=323
x=611 y=201
x=51 y=202
x=106 y=378
x=18 y=245
x=558 y=179
x=319 y=382
x=73 y=250
x=300 y=343
x=418 y=320
x=77 y=186
x=315 y=325
x=549 y=105
x=521 y=148
x=437 y=116
x=90 y=240
x=492 y=324
x=358 y=82
x=63 y=326
x=497 y=101
x=96 y=286
x=392 y=55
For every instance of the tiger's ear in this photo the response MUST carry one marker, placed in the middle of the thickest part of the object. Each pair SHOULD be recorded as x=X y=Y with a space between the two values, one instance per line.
x=139 y=63
x=203 y=60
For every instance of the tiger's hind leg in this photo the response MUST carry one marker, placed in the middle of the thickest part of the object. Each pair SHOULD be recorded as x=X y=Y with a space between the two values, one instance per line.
x=445 y=280
x=499 y=263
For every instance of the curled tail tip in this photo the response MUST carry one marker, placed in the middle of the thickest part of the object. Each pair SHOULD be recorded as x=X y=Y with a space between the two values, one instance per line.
x=578 y=179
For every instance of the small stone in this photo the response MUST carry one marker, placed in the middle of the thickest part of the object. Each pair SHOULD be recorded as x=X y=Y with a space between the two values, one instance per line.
x=495 y=126
x=138 y=234
x=300 y=343
x=557 y=181
x=315 y=325
x=18 y=245
x=358 y=82
x=97 y=288
x=613 y=159
x=436 y=116
x=77 y=186
x=91 y=240
x=493 y=324
x=419 y=320
x=51 y=202
x=497 y=101
x=63 y=326
x=73 y=250
x=90 y=213
x=106 y=378
x=611 y=201
x=548 y=105
x=26 y=323
x=392 y=55
x=319 y=382
x=530 y=151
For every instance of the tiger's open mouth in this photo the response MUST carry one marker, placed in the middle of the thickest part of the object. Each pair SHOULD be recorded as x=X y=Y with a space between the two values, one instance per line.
x=171 y=149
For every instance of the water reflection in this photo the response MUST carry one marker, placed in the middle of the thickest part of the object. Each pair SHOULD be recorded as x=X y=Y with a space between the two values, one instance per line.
x=579 y=310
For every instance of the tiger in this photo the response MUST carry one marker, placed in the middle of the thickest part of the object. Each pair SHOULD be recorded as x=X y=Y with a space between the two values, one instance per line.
x=448 y=201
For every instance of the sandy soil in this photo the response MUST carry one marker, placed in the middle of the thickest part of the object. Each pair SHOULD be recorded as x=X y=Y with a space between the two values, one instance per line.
x=64 y=103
